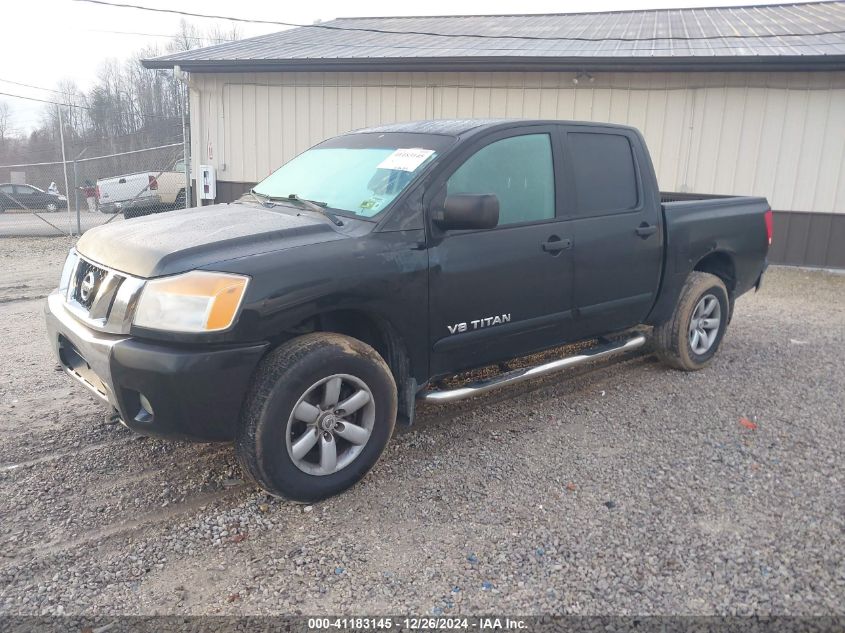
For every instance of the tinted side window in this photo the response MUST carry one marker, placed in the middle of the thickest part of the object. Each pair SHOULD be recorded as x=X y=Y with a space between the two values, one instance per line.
x=25 y=190
x=605 y=178
x=6 y=189
x=518 y=170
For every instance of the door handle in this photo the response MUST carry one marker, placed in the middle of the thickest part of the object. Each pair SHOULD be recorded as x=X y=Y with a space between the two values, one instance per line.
x=555 y=244
x=644 y=230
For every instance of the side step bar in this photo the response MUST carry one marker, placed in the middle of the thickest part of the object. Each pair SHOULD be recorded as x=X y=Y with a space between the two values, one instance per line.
x=520 y=375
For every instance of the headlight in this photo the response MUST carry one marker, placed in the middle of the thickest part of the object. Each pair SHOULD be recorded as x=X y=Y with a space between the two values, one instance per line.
x=193 y=302
x=67 y=271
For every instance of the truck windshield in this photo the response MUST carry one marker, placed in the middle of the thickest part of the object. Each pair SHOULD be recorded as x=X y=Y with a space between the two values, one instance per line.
x=359 y=180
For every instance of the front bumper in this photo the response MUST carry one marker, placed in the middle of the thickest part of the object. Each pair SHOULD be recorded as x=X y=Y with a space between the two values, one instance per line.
x=193 y=393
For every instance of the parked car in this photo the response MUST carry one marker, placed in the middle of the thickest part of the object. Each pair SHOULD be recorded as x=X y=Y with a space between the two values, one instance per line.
x=14 y=196
x=143 y=193
x=303 y=321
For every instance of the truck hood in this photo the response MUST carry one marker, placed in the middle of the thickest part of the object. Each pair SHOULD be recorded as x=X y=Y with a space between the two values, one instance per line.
x=178 y=241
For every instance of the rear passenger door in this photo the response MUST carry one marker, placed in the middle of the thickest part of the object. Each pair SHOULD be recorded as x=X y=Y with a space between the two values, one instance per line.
x=618 y=241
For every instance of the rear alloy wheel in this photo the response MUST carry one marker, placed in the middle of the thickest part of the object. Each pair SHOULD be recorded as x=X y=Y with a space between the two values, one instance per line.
x=704 y=324
x=318 y=414
x=691 y=338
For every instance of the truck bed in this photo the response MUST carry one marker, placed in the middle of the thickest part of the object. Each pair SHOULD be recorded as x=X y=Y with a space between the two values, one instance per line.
x=731 y=229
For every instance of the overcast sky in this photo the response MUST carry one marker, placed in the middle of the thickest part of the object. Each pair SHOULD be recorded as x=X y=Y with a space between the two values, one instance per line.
x=45 y=41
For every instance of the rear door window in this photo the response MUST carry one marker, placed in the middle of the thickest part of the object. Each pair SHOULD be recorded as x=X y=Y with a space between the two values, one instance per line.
x=519 y=170
x=604 y=171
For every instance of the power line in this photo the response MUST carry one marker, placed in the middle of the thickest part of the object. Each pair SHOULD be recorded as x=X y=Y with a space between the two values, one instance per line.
x=82 y=107
x=69 y=105
x=457 y=35
x=177 y=36
x=18 y=83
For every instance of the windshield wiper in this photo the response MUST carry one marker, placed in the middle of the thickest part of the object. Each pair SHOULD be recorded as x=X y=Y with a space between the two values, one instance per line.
x=262 y=198
x=311 y=205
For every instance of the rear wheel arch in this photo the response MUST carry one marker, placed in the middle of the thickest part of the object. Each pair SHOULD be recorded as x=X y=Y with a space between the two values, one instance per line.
x=722 y=265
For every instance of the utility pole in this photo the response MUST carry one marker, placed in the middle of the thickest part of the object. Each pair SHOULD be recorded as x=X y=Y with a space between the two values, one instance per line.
x=64 y=167
x=76 y=189
x=184 y=95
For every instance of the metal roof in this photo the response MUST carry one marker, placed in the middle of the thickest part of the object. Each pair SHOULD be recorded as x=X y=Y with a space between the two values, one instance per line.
x=795 y=36
x=450 y=127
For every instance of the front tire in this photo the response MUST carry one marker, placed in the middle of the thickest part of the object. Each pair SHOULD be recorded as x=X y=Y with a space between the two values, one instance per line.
x=318 y=414
x=52 y=207
x=691 y=338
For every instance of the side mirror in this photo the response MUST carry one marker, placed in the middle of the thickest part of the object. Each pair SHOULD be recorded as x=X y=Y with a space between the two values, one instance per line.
x=468 y=211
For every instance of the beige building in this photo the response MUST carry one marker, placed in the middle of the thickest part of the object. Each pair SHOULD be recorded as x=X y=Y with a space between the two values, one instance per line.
x=747 y=101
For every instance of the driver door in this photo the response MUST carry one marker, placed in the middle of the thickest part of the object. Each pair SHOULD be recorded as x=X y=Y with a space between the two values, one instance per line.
x=502 y=292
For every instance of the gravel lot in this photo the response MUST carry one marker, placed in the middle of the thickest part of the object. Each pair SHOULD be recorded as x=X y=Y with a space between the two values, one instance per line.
x=20 y=223
x=621 y=489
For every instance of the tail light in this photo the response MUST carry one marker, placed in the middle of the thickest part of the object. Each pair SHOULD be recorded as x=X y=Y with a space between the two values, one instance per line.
x=98 y=192
x=769 y=230
x=153 y=183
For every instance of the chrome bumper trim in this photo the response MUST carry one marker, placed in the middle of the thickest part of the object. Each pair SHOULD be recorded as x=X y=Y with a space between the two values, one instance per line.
x=95 y=347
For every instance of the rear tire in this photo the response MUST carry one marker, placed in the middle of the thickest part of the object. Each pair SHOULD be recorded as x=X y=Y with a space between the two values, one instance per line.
x=689 y=340
x=294 y=438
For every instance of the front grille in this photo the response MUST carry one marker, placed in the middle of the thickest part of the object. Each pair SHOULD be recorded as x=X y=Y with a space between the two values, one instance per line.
x=101 y=298
x=87 y=283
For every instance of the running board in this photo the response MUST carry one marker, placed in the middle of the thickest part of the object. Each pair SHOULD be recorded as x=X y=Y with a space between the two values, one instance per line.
x=520 y=375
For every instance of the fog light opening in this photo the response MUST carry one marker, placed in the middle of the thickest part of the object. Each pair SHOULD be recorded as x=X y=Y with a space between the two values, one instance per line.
x=145 y=412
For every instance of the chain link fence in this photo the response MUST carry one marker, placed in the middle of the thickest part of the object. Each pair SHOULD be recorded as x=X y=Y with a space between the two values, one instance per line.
x=70 y=197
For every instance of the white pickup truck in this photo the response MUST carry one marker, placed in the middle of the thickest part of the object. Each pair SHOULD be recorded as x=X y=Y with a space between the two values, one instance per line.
x=143 y=193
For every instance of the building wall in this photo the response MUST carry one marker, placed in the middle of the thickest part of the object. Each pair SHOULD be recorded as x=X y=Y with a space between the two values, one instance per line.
x=780 y=135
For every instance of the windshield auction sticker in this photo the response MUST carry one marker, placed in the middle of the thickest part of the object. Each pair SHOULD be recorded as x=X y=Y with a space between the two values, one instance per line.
x=405 y=159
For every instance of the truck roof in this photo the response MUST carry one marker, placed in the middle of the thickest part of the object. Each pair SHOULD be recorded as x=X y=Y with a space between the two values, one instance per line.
x=456 y=127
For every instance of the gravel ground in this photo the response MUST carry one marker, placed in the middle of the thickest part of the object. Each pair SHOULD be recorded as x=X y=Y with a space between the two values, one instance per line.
x=625 y=488
x=18 y=222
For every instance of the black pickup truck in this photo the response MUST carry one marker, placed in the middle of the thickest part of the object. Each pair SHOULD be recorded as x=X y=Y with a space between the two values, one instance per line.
x=304 y=319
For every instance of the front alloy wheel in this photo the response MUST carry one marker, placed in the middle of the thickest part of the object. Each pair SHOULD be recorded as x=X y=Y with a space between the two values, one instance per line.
x=318 y=415
x=330 y=424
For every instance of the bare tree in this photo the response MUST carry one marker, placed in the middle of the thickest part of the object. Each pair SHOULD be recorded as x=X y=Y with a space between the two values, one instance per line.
x=128 y=107
x=5 y=119
x=188 y=38
x=218 y=34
